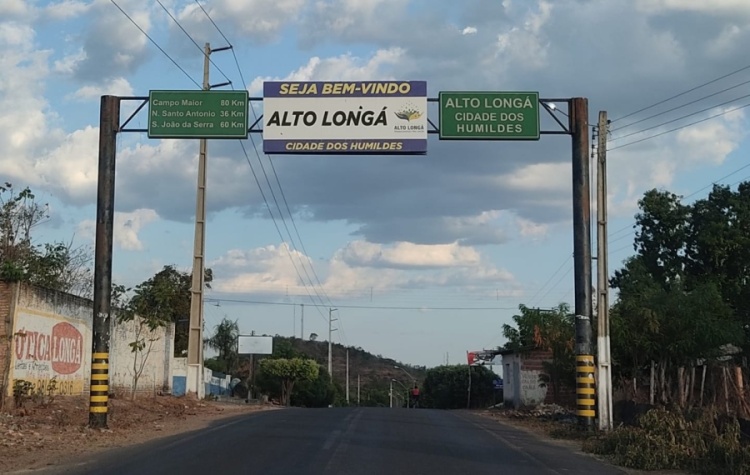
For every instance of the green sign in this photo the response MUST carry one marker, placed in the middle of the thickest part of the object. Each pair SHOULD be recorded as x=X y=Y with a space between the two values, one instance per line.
x=489 y=115
x=198 y=114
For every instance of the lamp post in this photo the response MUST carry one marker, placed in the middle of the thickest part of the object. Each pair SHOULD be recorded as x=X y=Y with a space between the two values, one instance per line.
x=390 y=392
x=406 y=390
x=413 y=379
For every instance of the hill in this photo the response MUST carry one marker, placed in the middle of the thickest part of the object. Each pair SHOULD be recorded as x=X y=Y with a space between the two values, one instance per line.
x=374 y=372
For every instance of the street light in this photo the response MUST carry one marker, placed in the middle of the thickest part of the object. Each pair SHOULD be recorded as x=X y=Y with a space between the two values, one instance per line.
x=390 y=392
x=413 y=379
x=406 y=390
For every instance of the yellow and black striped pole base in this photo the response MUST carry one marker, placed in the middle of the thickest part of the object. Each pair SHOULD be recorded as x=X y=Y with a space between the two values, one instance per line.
x=585 y=391
x=99 y=393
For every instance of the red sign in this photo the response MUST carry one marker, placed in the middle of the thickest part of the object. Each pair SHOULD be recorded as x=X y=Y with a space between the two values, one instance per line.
x=67 y=354
x=63 y=347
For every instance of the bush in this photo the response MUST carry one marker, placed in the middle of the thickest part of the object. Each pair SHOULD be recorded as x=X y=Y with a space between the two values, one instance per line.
x=669 y=440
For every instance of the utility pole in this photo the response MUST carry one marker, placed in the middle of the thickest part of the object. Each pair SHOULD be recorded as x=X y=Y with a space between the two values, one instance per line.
x=330 y=331
x=109 y=125
x=358 y=399
x=195 y=337
x=347 y=377
x=390 y=392
x=602 y=303
x=302 y=323
x=585 y=382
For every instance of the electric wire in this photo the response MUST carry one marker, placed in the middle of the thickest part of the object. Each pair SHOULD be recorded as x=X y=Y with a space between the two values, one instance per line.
x=156 y=44
x=684 y=117
x=681 y=127
x=244 y=150
x=364 y=307
x=268 y=182
x=744 y=68
x=201 y=49
x=533 y=299
x=683 y=105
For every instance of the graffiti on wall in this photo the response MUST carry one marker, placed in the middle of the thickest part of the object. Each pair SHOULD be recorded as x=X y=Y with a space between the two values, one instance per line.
x=532 y=393
x=49 y=348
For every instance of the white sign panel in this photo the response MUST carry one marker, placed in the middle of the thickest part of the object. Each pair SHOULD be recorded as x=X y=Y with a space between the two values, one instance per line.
x=383 y=117
x=255 y=345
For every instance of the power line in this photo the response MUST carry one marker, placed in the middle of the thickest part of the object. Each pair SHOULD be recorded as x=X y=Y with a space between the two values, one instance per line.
x=682 y=93
x=191 y=39
x=683 y=117
x=685 y=105
x=156 y=44
x=715 y=182
x=270 y=187
x=365 y=307
x=533 y=299
x=678 y=128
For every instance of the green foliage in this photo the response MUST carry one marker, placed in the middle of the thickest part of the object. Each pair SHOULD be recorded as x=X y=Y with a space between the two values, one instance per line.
x=224 y=340
x=551 y=330
x=165 y=298
x=447 y=387
x=667 y=440
x=682 y=296
x=288 y=372
x=56 y=266
x=319 y=392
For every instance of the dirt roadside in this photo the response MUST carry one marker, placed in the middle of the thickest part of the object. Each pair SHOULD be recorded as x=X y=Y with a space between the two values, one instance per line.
x=37 y=436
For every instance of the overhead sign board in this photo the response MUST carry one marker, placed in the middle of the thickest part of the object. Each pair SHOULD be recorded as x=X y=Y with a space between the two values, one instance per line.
x=489 y=115
x=254 y=345
x=198 y=114
x=359 y=117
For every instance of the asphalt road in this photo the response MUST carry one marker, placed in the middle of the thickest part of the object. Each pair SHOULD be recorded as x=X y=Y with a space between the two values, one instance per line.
x=351 y=441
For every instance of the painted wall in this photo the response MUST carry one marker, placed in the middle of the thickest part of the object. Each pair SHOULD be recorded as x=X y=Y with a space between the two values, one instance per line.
x=179 y=376
x=521 y=379
x=51 y=341
x=46 y=336
x=215 y=383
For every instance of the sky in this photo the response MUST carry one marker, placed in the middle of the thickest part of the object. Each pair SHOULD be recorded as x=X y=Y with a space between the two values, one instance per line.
x=425 y=257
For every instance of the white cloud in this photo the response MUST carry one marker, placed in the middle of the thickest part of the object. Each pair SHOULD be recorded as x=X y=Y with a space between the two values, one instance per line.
x=357 y=266
x=114 y=87
x=714 y=7
x=530 y=229
x=65 y=9
x=126 y=228
x=526 y=46
x=257 y=20
x=265 y=269
x=14 y=8
x=340 y=68
x=408 y=255
x=469 y=30
x=554 y=177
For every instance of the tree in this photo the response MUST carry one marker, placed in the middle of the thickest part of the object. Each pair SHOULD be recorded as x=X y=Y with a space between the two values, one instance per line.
x=166 y=297
x=319 y=392
x=224 y=340
x=681 y=298
x=56 y=265
x=288 y=372
x=447 y=387
x=549 y=330
x=144 y=326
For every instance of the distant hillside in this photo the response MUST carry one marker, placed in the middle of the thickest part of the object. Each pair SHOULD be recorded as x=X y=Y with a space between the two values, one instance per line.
x=374 y=371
